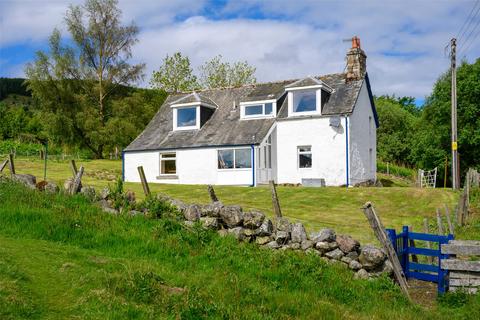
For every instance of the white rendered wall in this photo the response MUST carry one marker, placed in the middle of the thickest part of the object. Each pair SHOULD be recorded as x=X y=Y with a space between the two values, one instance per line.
x=194 y=166
x=328 y=150
x=363 y=137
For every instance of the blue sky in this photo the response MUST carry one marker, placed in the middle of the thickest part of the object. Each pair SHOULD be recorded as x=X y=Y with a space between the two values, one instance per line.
x=404 y=40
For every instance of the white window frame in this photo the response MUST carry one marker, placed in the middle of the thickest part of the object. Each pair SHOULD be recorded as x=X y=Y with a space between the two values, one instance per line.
x=186 y=106
x=234 y=158
x=304 y=152
x=318 y=101
x=256 y=103
x=171 y=158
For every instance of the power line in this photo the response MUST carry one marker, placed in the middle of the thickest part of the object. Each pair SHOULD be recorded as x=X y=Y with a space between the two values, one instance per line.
x=469 y=19
x=468 y=37
x=465 y=51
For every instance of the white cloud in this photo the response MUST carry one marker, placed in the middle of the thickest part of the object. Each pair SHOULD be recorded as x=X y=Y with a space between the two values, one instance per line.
x=404 y=40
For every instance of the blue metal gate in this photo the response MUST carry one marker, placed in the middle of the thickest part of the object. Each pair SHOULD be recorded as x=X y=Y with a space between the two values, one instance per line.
x=422 y=271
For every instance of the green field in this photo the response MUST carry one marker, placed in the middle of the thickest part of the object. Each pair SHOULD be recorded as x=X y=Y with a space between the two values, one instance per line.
x=334 y=207
x=62 y=258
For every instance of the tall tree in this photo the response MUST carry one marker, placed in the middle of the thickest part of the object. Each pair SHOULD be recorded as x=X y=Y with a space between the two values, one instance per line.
x=217 y=73
x=77 y=84
x=174 y=75
x=396 y=131
x=432 y=137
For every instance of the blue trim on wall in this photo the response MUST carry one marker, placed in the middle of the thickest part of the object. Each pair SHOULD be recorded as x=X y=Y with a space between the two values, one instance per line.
x=123 y=166
x=372 y=103
x=346 y=151
x=253 y=165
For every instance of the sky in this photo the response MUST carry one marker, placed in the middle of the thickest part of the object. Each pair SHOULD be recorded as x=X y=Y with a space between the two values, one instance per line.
x=405 y=41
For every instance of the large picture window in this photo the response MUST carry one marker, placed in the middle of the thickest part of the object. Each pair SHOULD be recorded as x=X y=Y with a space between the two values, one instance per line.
x=304 y=101
x=304 y=157
x=186 y=117
x=168 y=163
x=235 y=158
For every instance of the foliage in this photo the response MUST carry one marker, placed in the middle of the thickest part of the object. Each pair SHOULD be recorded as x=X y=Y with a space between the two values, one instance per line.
x=217 y=73
x=158 y=208
x=76 y=85
x=433 y=134
x=396 y=170
x=14 y=86
x=174 y=75
x=111 y=267
x=396 y=132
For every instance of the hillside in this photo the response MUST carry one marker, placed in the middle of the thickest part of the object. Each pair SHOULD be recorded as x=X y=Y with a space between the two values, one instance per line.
x=61 y=257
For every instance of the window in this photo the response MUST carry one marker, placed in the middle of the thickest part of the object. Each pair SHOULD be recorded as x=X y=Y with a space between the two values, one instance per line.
x=254 y=110
x=304 y=157
x=258 y=109
x=168 y=163
x=186 y=117
x=304 y=101
x=235 y=158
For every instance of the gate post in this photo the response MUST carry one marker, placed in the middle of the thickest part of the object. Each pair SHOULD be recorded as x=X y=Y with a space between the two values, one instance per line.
x=392 y=235
x=405 y=253
x=443 y=275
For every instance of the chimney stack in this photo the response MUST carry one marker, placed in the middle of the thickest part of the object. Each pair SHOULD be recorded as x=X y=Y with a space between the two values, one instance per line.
x=356 y=61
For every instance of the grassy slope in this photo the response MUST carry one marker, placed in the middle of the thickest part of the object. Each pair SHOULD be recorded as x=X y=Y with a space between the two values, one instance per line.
x=328 y=207
x=62 y=258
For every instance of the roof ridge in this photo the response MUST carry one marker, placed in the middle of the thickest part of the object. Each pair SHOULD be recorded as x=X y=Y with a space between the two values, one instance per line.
x=259 y=83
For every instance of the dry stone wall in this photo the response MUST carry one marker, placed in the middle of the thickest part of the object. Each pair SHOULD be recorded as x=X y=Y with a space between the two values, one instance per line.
x=281 y=234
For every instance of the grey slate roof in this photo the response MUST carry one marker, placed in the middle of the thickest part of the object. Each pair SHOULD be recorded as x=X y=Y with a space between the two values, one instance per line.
x=194 y=97
x=225 y=128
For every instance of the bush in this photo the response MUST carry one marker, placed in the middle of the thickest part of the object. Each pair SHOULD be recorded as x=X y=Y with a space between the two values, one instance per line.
x=396 y=170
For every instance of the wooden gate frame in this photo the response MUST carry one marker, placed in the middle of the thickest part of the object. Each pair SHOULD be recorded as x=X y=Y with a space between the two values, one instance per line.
x=421 y=271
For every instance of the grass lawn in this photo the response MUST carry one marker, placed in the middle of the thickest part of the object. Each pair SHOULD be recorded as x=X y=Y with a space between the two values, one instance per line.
x=62 y=258
x=334 y=207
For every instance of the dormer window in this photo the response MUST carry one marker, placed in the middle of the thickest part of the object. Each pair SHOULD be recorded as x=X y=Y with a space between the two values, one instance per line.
x=258 y=109
x=186 y=118
x=191 y=112
x=304 y=101
x=305 y=96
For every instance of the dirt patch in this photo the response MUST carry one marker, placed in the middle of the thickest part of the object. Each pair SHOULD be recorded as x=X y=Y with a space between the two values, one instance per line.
x=423 y=292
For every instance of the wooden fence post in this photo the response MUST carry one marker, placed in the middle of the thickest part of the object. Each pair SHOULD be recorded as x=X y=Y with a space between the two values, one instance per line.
x=439 y=222
x=429 y=245
x=146 y=189
x=77 y=181
x=212 y=194
x=11 y=165
x=449 y=220
x=3 y=165
x=276 y=204
x=381 y=235
x=412 y=244
x=73 y=166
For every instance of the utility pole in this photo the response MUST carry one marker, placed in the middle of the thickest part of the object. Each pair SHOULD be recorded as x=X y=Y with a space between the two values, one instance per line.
x=455 y=163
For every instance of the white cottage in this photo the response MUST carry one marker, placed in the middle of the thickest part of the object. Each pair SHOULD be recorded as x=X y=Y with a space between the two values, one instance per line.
x=316 y=130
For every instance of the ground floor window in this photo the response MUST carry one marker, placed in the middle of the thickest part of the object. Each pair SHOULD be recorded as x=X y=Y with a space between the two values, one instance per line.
x=168 y=163
x=304 y=156
x=239 y=158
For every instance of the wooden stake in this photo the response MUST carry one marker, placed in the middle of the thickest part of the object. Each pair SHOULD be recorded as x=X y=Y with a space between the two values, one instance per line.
x=146 y=189
x=11 y=165
x=276 y=204
x=381 y=235
x=429 y=245
x=412 y=244
x=439 y=222
x=77 y=181
x=212 y=194
x=3 y=165
x=73 y=166
x=449 y=220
